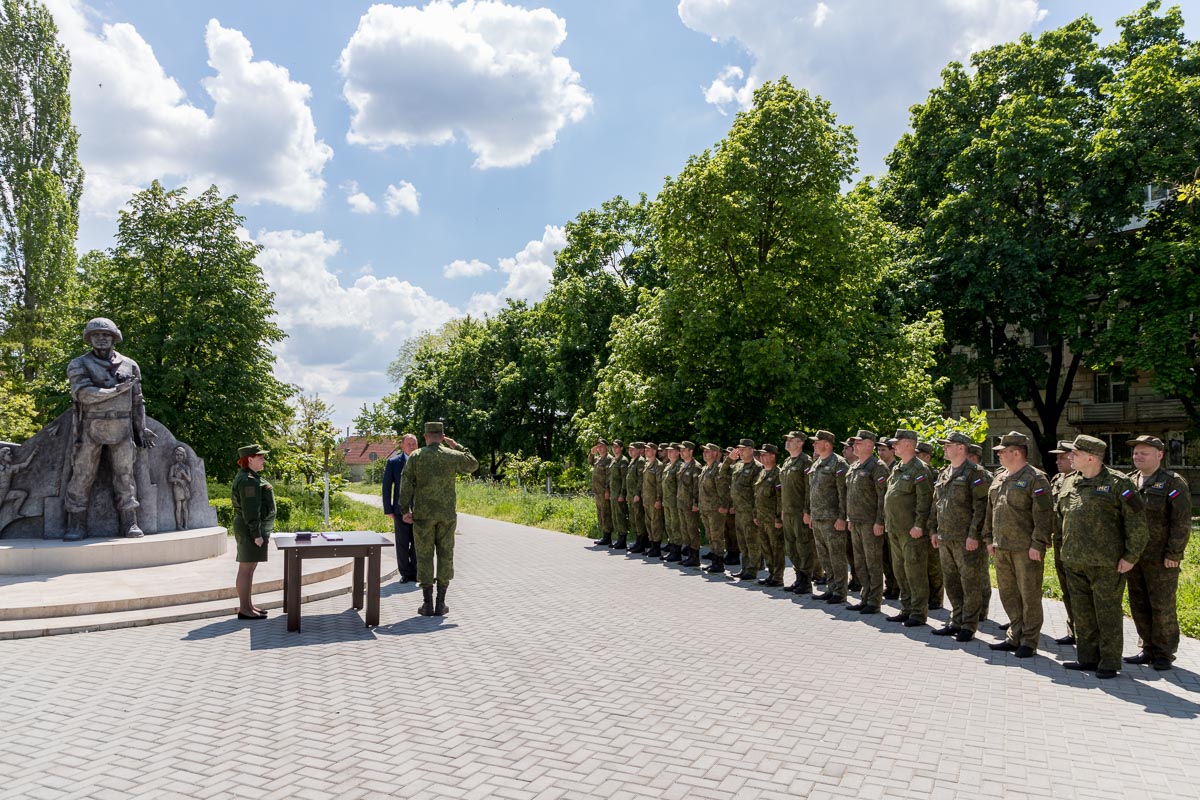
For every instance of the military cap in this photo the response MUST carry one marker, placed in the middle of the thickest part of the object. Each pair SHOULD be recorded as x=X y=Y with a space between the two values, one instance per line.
x=956 y=437
x=252 y=450
x=602 y=440
x=975 y=449
x=651 y=446
x=863 y=434
x=729 y=450
x=688 y=444
x=637 y=445
x=1063 y=447
x=618 y=443
x=711 y=446
x=435 y=427
x=1153 y=441
x=1012 y=438
x=886 y=441
x=673 y=446
x=665 y=446
x=903 y=433
x=770 y=448
x=1089 y=444
x=801 y=435
x=745 y=443
x=825 y=436
x=924 y=447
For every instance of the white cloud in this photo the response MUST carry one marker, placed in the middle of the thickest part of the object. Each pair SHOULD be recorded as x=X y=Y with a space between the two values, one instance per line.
x=465 y=269
x=482 y=69
x=529 y=273
x=404 y=197
x=871 y=60
x=359 y=201
x=136 y=123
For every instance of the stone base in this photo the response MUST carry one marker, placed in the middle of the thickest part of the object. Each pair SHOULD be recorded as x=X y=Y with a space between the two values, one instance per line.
x=42 y=557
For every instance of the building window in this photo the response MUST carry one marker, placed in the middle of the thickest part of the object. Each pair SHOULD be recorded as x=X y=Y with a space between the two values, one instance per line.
x=1111 y=388
x=1177 y=449
x=1118 y=453
x=989 y=398
x=1156 y=193
x=1041 y=338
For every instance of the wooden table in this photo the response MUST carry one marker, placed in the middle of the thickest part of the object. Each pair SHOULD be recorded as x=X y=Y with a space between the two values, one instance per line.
x=359 y=545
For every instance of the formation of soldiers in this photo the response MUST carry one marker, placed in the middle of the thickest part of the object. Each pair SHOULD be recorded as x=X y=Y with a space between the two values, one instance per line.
x=880 y=520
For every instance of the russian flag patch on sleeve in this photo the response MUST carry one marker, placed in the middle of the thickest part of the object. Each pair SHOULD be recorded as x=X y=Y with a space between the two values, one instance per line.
x=1126 y=493
x=920 y=478
x=1173 y=493
x=1040 y=490
x=977 y=481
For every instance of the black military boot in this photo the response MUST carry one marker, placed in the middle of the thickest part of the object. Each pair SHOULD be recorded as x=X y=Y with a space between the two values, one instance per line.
x=621 y=543
x=603 y=541
x=747 y=574
x=426 y=609
x=685 y=553
x=693 y=560
x=717 y=567
x=803 y=584
x=640 y=545
x=733 y=559
x=710 y=555
x=655 y=550
x=441 y=609
x=675 y=554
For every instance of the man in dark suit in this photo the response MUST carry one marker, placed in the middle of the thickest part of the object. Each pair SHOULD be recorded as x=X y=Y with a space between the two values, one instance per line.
x=406 y=553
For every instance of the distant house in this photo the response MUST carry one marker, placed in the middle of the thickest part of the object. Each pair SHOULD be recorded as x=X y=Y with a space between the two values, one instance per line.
x=359 y=452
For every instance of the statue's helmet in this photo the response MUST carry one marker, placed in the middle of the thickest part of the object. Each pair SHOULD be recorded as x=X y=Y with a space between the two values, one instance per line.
x=101 y=324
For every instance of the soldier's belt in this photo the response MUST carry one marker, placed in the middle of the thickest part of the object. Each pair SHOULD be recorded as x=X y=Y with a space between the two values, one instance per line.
x=106 y=415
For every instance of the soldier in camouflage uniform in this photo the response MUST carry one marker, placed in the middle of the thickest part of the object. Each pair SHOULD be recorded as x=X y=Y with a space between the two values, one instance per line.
x=960 y=498
x=652 y=500
x=633 y=496
x=616 y=488
x=670 y=509
x=937 y=586
x=710 y=505
x=826 y=512
x=975 y=455
x=1017 y=529
x=768 y=516
x=906 y=508
x=745 y=473
x=1154 y=579
x=866 y=484
x=687 y=501
x=797 y=537
x=725 y=493
x=891 y=586
x=1062 y=458
x=600 y=460
x=1103 y=523
x=427 y=487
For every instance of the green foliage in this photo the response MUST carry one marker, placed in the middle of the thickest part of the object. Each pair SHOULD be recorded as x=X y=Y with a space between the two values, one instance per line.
x=196 y=314
x=304 y=510
x=17 y=412
x=575 y=514
x=932 y=425
x=224 y=507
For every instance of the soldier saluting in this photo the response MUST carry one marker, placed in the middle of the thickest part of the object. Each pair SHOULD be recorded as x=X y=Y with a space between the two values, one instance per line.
x=110 y=414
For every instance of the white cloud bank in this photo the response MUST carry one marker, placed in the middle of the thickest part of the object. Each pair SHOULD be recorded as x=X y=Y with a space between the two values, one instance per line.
x=465 y=269
x=481 y=69
x=397 y=199
x=529 y=273
x=136 y=123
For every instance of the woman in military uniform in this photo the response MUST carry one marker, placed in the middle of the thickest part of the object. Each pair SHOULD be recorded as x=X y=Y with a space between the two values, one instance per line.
x=253 y=519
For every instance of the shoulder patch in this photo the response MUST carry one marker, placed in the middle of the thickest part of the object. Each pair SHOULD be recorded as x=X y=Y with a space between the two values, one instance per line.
x=881 y=479
x=977 y=481
x=1173 y=493
x=1040 y=490
x=921 y=477
x=1103 y=489
x=1126 y=493
x=1021 y=484
x=840 y=472
x=1159 y=485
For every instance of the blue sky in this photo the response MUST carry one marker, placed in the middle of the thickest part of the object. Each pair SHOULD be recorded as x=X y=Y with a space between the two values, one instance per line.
x=403 y=164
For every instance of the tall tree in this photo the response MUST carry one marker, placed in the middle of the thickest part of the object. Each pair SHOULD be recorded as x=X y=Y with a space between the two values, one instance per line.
x=40 y=186
x=197 y=316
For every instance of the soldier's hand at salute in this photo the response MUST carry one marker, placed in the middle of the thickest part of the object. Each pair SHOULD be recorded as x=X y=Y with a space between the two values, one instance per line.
x=877 y=530
x=972 y=545
x=1035 y=554
x=1123 y=566
x=933 y=540
x=840 y=525
x=450 y=442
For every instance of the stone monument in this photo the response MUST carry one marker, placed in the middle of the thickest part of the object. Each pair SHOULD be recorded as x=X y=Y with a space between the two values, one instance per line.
x=96 y=470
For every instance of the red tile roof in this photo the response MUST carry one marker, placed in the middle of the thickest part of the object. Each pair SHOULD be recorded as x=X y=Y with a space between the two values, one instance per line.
x=359 y=449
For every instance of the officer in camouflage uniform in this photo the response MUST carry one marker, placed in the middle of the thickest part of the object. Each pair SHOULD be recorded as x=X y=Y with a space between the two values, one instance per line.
x=1103 y=523
x=826 y=513
x=1062 y=458
x=745 y=473
x=866 y=484
x=797 y=537
x=975 y=455
x=768 y=516
x=906 y=508
x=1154 y=579
x=725 y=498
x=934 y=568
x=710 y=505
x=960 y=498
x=600 y=461
x=891 y=586
x=616 y=489
x=427 y=487
x=687 y=501
x=1017 y=529
x=652 y=500
x=670 y=509
x=633 y=496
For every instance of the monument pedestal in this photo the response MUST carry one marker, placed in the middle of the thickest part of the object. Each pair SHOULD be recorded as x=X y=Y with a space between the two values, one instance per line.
x=49 y=556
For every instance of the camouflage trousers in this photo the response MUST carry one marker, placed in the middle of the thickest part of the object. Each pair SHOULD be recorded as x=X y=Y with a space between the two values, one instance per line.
x=731 y=540
x=1096 y=593
x=747 y=538
x=964 y=572
x=798 y=542
x=937 y=586
x=770 y=545
x=714 y=528
x=986 y=602
x=432 y=536
x=654 y=523
x=910 y=559
x=868 y=561
x=1152 y=599
x=604 y=514
x=831 y=549
x=889 y=572
x=620 y=515
x=671 y=524
x=1062 y=582
x=1019 y=579
x=637 y=518
x=689 y=527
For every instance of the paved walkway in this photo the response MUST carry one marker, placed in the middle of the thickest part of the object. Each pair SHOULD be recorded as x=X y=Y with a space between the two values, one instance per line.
x=568 y=672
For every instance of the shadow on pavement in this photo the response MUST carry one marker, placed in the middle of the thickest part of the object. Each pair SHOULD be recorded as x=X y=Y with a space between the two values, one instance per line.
x=272 y=633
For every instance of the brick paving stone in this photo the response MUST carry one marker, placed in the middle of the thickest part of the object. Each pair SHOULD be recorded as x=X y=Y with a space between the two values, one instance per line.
x=564 y=672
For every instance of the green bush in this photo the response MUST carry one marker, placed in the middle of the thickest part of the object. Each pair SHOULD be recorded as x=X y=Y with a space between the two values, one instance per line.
x=224 y=507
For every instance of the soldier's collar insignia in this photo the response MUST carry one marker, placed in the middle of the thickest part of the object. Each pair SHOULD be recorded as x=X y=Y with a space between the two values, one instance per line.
x=1020 y=484
x=1159 y=485
x=1103 y=489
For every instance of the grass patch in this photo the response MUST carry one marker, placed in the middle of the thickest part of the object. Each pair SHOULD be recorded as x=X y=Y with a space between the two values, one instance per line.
x=573 y=514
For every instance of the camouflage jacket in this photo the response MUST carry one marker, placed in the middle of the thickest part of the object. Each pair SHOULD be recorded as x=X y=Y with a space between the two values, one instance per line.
x=427 y=485
x=960 y=498
x=1020 y=510
x=768 y=505
x=652 y=483
x=633 y=479
x=687 y=485
x=710 y=490
x=1168 y=513
x=793 y=477
x=670 y=483
x=1102 y=519
x=909 y=497
x=600 y=465
x=827 y=488
x=742 y=486
x=725 y=485
x=866 y=485
x=616 y=477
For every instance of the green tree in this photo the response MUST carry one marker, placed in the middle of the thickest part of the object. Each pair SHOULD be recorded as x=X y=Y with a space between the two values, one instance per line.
x=196 y=314
x=40 y=186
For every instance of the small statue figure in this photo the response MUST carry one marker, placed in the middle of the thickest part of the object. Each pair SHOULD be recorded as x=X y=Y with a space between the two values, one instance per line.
x=11 y=499
x=180 y=478
x=110 y=414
